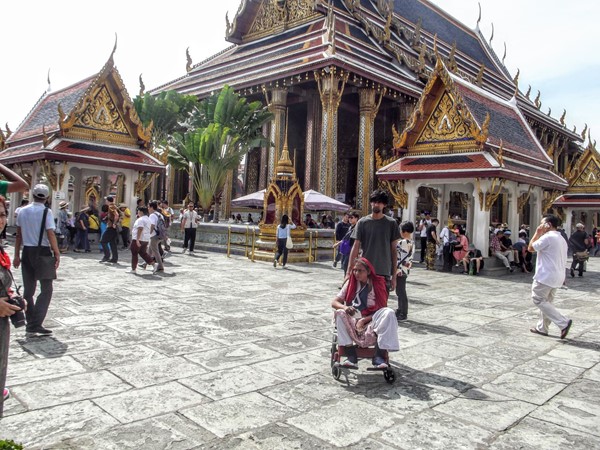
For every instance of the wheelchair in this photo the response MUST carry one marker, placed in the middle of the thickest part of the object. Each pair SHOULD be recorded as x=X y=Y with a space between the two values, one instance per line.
x=337 y=352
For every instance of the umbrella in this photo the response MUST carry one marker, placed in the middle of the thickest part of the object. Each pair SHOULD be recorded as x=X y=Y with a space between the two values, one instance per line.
x=313 y=201
x=256 y=199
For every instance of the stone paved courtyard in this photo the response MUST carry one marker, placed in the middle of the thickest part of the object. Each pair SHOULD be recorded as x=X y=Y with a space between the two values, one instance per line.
x=226 y=353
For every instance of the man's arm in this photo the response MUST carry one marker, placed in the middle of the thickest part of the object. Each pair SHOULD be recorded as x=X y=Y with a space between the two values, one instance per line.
x=539 y=232
x=54 y=246
x=17 y=257
x=15 y=182
x=353 y=256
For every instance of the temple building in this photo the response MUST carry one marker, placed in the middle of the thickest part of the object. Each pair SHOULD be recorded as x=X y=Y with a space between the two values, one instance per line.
x=350 y=74
x=86 y=142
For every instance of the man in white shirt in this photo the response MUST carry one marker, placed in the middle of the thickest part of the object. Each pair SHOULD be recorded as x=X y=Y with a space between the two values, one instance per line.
x=549 y=275
x=29 y=229
x=423 y=224
x=189 y=224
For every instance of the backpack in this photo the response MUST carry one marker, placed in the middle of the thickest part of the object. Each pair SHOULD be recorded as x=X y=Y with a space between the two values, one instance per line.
x=94 y=222
x=160 y=229
x=345 y=246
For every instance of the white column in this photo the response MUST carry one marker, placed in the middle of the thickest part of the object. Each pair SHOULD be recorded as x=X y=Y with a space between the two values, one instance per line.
x=481 y=223
x=410 y=212
x=568 y=220
x=443 y=205
x=129 y=197
x=536 y=208
x=513 y=209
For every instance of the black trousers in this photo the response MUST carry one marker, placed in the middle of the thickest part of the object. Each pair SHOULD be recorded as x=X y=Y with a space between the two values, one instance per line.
x=423 y=248
x=189 y=239
x=281 y=250
x=447 y=255
x=125 y=236
x=402 y=312
x=110 y=243
x=36 y=311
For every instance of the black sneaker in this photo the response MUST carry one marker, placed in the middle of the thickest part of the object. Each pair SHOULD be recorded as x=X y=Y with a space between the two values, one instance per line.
x=103 y=260
x=38 y=330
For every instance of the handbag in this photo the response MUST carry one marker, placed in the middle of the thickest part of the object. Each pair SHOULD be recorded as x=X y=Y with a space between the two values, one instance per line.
x=582 y=256
x=289 y=244
x=45 y=265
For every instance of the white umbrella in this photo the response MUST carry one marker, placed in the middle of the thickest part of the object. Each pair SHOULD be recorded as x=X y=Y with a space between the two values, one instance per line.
x=313 y=201
x=256 y=199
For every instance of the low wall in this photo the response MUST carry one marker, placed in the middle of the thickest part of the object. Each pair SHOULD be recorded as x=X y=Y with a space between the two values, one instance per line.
x=215 y=237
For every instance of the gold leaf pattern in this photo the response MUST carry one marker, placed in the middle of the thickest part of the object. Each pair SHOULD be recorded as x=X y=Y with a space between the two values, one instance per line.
x=102 y=114
x=444 y=124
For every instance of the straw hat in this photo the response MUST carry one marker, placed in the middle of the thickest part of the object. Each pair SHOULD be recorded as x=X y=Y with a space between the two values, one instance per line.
x=63 y=204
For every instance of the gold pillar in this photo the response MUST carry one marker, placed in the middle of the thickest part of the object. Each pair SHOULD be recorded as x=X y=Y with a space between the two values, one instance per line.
x=277 y=106
x=331 y=87
x=226 y=196
x=312 y=144
x=369 y=105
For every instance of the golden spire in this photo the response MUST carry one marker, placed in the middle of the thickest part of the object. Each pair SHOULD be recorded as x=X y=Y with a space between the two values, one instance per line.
x=284 y=166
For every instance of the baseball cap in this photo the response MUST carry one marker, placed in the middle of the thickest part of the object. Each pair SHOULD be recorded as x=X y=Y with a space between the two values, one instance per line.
x=41 y=191
x=507 y=232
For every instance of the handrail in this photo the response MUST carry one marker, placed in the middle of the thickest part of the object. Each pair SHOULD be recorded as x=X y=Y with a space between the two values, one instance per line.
x=247 y=245
x=229 y=241
x=253 y=242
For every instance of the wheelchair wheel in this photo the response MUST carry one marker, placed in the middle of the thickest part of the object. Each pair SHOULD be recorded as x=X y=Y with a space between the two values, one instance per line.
x=336 y=372
x=389 y=376
x=333 y=354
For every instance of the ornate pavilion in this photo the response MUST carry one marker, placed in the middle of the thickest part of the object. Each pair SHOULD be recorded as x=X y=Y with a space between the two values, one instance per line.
x=86 y=142
x=350 y=73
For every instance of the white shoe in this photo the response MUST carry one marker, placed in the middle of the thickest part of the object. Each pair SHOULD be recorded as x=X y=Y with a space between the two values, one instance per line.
x=132 y=271
x=184 y=250
x=154 y=267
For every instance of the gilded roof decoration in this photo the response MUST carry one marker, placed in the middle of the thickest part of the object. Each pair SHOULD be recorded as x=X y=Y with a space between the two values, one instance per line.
x=584 y=177
x=277 y=15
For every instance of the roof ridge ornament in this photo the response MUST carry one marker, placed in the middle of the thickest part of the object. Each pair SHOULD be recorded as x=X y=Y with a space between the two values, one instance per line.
x=142 y=86
x=49 y=88
x=492 y=36
x=504 y=55
x=528 y=93
x=188 y=65
x=9 y=131
x=585 y=129
x=112 y=54
x=562 y=118
x=478 y=18
x=537 y=102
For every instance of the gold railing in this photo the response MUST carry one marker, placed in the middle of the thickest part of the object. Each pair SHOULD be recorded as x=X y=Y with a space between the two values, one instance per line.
x=249 y=241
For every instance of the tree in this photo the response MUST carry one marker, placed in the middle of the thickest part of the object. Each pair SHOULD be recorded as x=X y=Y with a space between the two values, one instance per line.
x=222 y=129
x=168 y=113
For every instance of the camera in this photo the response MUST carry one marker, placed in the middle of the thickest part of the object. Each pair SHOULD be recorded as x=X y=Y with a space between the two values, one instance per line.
x=18 y=318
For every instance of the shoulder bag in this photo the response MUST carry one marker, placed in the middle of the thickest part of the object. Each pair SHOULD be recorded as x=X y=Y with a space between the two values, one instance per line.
x=45 y=265
x=289 y=244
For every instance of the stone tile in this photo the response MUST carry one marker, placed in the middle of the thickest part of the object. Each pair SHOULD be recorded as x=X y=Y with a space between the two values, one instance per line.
x=443 y=349
x=230 y=338
x=230 y=382
x=571 y=413
x=403 y=397
x=294 y=344
x=137 y=404
x=433 y=430
x=584 y=390
x=593 y=373
x=295 y=366
x=524 y=387
x=539 y=435
x=46 y=427
x=236 y=414
x=102 y=359
x=574 y=356
x=42 y=369
x=169 y=431
x=74 y=388
x=182 y=345
x=277 y=436
x=486 y=409
x=340 y=430
x=156 y=371
x=54 y=347
x=476 y=362
x=551 y=371
x=307 y=393
x=227 y=357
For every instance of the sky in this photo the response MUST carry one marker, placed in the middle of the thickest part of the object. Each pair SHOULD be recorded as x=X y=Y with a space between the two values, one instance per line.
x=553 y=43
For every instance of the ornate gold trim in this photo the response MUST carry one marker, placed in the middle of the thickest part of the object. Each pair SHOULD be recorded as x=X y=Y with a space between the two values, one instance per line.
x=487 y=199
